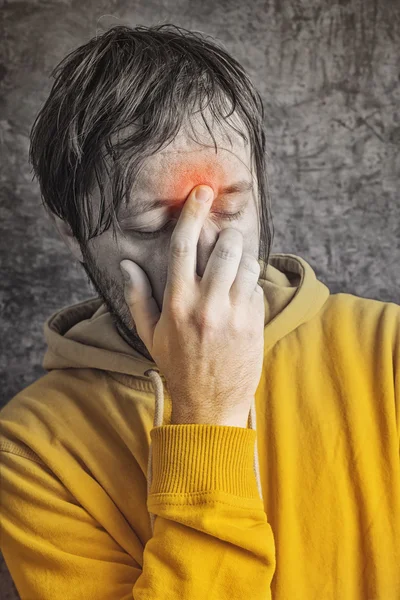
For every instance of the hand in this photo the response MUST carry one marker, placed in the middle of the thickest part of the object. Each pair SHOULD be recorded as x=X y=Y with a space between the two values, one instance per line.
x=208 y=341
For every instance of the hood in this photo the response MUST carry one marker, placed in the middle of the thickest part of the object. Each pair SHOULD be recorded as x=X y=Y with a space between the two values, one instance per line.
x=83 y=335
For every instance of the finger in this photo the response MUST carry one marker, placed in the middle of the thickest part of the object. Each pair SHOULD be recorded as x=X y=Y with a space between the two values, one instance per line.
x=222 y=266
x=141 y=302
x=246 y=280
x=258 y=301
x=183 y=244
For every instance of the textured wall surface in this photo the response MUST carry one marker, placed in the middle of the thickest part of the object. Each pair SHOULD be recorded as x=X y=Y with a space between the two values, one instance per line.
x=328 y=73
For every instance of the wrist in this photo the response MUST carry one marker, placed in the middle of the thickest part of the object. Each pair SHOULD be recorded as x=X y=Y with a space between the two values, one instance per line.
x=230 y=421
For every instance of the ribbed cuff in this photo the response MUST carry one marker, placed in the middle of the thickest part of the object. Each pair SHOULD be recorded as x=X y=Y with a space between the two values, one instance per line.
x=192 y=458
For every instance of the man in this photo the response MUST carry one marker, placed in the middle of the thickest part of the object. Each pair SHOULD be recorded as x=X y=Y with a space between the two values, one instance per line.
x=106 y=491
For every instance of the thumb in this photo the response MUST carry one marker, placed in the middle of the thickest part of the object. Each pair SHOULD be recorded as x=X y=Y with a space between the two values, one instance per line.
x=141 y=303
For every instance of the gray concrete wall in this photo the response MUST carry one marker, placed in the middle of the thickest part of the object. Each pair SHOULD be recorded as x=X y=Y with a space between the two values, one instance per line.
x=329 y=76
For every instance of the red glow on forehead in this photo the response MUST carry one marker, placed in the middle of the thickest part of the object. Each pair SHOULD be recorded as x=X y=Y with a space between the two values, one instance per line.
x=183 y=175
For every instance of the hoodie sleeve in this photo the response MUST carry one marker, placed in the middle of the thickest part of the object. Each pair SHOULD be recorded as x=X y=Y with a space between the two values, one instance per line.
x=211 y=536
x=396 y=363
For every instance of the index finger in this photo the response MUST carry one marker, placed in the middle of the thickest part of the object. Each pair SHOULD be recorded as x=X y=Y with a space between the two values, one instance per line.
x=184 y=240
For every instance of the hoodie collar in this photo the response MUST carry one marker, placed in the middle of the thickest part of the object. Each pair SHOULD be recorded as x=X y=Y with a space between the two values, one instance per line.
x=84 y=335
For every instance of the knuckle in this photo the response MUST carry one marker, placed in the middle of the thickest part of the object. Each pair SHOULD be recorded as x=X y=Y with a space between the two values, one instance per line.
x=180 y=246
x=227 y=252
x=229 y=245
x=239 y=324
x=207 y=317
x=251 y=264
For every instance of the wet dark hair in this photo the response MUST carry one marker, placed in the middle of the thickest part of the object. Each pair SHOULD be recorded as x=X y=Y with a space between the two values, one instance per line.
x=151 y=78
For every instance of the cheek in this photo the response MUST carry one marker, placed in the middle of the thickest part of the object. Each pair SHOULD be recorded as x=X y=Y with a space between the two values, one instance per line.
x=151 y=255
x=250 y=228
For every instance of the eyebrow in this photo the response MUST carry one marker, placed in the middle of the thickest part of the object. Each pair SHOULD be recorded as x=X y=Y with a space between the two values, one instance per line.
x=144 y=206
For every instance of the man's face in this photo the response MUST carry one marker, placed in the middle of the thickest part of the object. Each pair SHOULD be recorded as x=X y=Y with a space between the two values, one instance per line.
x=171 y=174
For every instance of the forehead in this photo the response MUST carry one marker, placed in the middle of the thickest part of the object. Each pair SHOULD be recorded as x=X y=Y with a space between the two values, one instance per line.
x=192 y=158
x=189 y=160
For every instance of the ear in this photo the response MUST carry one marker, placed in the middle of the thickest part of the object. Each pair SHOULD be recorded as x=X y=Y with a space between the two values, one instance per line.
x=65 y=232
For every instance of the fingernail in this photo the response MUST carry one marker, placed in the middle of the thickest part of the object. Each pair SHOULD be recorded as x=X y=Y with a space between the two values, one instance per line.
x=202 y=194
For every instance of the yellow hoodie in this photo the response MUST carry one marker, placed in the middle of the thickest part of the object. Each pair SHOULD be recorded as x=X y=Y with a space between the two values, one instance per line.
x=102 y=499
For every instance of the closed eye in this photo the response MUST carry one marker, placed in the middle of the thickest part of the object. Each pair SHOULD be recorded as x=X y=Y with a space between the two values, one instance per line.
x=154 y=234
